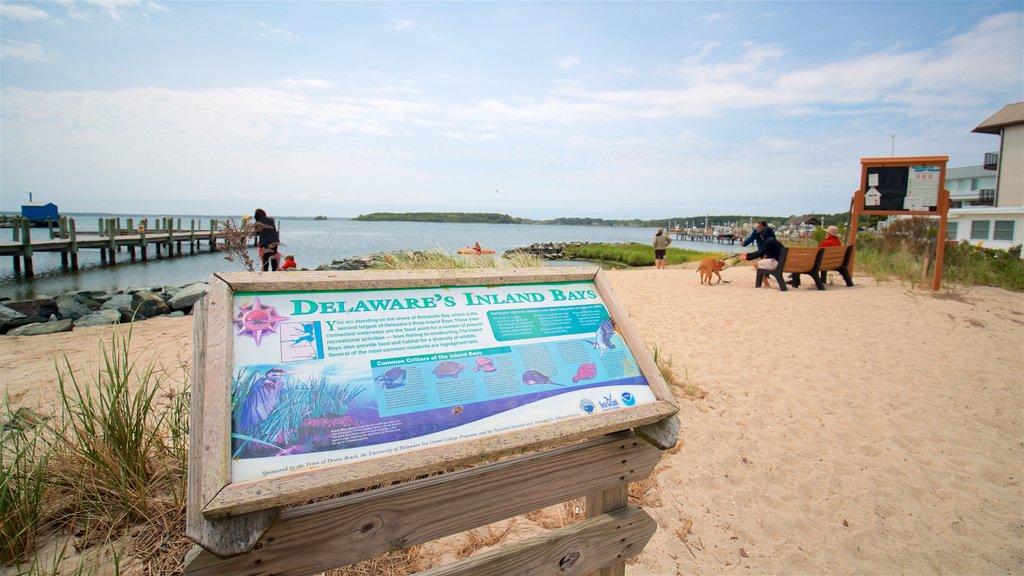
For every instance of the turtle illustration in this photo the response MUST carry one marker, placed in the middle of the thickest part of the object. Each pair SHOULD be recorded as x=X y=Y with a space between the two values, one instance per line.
x=535 y=377
x=393 y=378
x=448 y=369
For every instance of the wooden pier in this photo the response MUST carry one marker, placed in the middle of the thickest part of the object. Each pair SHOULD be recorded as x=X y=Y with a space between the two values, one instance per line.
x=110 y=238
x=704 y=235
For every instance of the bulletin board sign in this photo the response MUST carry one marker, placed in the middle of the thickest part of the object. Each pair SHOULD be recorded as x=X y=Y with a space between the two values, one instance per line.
x=315 y=383
x=908 y=186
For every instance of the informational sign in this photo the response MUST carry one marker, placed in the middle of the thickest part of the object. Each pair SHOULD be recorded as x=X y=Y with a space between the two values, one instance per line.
x=911 y=188
x=340 y=376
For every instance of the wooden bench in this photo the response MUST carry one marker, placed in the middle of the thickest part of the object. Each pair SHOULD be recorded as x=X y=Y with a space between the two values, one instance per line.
x=791 y=261
x=835 y=258
x=815 y=262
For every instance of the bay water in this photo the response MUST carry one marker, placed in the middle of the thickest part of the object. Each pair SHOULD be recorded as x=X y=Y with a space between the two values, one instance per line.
x=312 y=242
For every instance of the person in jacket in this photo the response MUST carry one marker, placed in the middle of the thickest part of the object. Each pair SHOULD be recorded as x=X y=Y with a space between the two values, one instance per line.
x=769 y=254
x=661 y=242
x=267 y=239
x=831 y=239
x=758 y=235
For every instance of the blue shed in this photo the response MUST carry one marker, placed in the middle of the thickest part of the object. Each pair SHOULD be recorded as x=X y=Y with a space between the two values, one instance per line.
x=39 y=212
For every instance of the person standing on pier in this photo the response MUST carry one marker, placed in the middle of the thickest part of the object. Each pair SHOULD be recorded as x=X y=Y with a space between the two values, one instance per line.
x=661 y=242
x=267 y=239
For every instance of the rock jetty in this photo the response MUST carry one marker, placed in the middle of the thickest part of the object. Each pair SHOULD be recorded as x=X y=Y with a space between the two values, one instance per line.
x=545 y=250
x=47 y=315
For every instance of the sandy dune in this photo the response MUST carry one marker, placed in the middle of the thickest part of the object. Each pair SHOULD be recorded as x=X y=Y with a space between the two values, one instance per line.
x=873 y=429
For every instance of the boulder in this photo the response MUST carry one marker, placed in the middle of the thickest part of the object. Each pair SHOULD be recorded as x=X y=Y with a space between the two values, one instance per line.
x=11 y=318
x=99 y=318
x=36 y=310
x=148 y=304
x=188 y=296
x=123 y=304
x=41 y=328
x=75 y=306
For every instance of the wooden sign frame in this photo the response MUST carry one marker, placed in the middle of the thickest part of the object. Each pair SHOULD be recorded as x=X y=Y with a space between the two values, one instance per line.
x=228 y=517
x=857 y=207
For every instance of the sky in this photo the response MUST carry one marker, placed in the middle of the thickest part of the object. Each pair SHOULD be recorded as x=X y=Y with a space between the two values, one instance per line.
x=533 y=109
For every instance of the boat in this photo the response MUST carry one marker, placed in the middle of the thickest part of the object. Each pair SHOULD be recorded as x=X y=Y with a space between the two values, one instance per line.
x=472 y=251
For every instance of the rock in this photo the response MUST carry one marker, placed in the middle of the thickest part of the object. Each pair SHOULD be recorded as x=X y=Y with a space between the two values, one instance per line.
x=123 y=304
x=11 y=318
x=36 y=310
x=41 y=328
x=148 y=304
x=75 y=306
x=188 y=296
x=176 y=314
x=99 y=318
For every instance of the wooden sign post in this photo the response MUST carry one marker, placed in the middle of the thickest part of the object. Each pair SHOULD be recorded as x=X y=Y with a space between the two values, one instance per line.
x=332 y=386
x=909 y=186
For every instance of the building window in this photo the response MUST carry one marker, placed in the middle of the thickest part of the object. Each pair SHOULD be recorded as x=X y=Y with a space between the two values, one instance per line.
x=975 y=184
x=979 y=229
x=951 y=230
x=1003 y=230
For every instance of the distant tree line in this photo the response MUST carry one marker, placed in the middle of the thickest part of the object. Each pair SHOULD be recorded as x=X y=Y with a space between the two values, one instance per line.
x=742 y=220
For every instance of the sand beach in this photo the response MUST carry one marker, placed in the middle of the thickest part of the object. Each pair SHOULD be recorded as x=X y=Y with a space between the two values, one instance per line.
x=876 y=429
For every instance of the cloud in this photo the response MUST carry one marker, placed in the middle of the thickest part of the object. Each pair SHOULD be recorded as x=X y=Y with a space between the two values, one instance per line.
x=568 y=62
x=22 y=13
x=709 y=18
x=27 y=51
x=399 y=24
x=268 y=31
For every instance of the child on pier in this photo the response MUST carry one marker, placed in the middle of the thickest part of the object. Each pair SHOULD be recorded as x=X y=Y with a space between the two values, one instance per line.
x=289 y=263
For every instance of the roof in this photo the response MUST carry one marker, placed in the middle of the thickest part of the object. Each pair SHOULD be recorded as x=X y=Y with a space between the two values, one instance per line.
x=38 y=204
x=962 y=172
x=801 y=220
x=1010 y=115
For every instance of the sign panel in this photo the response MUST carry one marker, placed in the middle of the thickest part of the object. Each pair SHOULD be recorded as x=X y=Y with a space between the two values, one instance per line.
x=328 y=377
x=911 y=188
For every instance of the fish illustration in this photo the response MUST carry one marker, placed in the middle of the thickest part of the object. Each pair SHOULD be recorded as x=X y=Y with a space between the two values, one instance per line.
x=484 y=363
x=393 y=378
x=603 y=337
x=448 y=369
x=535 y=377
x=586 y=371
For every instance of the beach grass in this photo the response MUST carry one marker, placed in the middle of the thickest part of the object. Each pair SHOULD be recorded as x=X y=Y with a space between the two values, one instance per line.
x=633 y=254
x=23 y=462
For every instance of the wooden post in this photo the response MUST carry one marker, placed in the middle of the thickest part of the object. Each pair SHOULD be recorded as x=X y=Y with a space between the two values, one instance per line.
x=131 y=230
x=112 y=240
x=213 y=234
x=26 y=248
x=142 y=237
x=73 y=235
x=49 y=226
x=597 y=503
x=16 y=236
x=192 y=238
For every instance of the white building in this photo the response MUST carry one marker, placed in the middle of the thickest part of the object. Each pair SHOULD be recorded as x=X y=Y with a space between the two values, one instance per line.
x=991 y=216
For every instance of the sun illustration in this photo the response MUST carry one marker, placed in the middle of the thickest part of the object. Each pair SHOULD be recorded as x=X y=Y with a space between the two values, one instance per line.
x=257 y=318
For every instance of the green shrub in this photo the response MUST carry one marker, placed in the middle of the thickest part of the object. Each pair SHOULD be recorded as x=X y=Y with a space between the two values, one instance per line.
x=632 y=254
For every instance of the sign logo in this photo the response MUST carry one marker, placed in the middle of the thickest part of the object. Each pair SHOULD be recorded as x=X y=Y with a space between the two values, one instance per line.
x=628 y=399
x=587 y=406
x=608 y=403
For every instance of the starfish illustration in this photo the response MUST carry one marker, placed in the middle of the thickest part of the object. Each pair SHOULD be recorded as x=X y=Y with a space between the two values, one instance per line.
x=257 y=318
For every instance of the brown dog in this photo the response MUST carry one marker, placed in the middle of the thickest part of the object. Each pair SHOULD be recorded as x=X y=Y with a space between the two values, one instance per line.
x=709 y=266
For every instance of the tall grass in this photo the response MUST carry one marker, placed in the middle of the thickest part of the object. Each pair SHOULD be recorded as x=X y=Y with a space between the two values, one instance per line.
x=110 y=465
x=442 y=260
x=23 y=461
x=902 y=250
x=632 y=254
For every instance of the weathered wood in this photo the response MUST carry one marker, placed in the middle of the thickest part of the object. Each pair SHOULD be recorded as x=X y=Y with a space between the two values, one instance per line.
x=311 y=483
x=388 y=279
x=73 y=245
x=600 y=502
x=208 y=465
x=576 y=549
x=345 y=530
x=26 y=239
x=663 y=435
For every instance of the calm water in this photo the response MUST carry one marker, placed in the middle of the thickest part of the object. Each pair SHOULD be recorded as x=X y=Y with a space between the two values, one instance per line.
x=313 y=242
